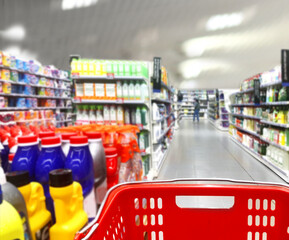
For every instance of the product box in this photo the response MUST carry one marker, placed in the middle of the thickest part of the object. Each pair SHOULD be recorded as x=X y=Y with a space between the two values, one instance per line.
x=79 y=90
x=98 y=68
x=99 y=90
x=6 y=118
x=115 y=68
x=89 y=91
x=133 y=68
x=109 y=67
x=5 y=74
x=110 y=91
x=91 y=68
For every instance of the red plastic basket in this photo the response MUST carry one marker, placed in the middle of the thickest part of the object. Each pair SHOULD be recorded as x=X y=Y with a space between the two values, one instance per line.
x=168 y=211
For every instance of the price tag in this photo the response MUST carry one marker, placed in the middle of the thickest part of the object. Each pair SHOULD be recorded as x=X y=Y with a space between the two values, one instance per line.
x=119 y=100
x=110 y=75
x=75 y=75
x=77 y=99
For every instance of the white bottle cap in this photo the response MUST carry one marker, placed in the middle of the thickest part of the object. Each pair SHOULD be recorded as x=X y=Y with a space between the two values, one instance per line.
x=2 y=176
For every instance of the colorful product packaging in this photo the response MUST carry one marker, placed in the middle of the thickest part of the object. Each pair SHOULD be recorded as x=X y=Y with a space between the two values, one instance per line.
x=7 y=87
x=21 y=103
x=19 y=116
x=5 y=74
x=14 y=76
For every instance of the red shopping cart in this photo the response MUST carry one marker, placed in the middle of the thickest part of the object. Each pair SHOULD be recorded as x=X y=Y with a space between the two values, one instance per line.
x=175 y=210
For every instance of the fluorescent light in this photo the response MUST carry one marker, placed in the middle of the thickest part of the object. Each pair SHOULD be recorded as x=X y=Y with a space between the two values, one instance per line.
x=14 y=33
x=72 y=4
x=223 y=21
x=194 y=67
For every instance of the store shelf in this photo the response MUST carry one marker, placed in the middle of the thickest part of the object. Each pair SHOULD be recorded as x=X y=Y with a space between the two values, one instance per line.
x=270 y=84
x=162 y=119
x=64 y=121
x=245 y=130
x=263 y=159
x=84 y=101
x=108 y=78
x=275 y=103
x=164 y=133
x=245 y=104
x=163 y=85
x=285 y=148
x=245 y=116
x=161 y=100
x=275 y=124
x=216 y=125
x=31 y=96
x=35 y=74
x=36 y=108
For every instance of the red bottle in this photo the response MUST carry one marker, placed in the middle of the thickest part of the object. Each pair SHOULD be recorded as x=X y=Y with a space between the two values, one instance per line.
x=111 y=166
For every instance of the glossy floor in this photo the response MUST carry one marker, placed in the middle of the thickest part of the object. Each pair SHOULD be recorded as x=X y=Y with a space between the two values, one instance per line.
x=199 y=150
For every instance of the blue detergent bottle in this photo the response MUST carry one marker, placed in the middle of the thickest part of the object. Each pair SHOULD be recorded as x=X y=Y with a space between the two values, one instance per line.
x=5 y=153
x=51 y=157
x=79 y=160
x=26 y=155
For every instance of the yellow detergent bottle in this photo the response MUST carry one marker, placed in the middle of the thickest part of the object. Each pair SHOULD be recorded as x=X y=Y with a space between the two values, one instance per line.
x=39 y=217
x=10 y=222
x=68 y=203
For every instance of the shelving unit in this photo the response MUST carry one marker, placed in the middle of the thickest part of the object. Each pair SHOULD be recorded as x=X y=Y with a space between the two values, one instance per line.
x=162 y=97
x=250 y=128
x=186 y=108
x=34 y=88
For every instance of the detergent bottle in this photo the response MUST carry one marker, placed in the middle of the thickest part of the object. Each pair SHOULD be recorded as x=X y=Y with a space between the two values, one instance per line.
x=68 y=202
x=111 y=166
x=12 y=195
x=11 y=225
x=44 y=135
x=4 y=152
x=39 y=217
x=26 y=155
x=65 y=144
x=79 y=160
x=99 y=166
x=50 y=158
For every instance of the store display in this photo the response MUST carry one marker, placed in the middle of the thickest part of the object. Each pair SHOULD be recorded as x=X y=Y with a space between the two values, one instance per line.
x=263 y=125
x=39 y=217
x=68 y=203
x=12 y=195
x=29 y=85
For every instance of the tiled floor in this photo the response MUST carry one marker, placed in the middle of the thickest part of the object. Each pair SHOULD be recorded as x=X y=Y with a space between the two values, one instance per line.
x=199 y=150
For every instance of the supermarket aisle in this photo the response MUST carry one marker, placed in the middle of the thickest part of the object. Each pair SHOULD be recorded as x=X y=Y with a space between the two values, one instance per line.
x=202 y=151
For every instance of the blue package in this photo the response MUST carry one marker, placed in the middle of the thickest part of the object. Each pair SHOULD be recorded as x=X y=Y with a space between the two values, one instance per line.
x=19 y=64
x=21 y=103
x=29 y=103
x=27 y=90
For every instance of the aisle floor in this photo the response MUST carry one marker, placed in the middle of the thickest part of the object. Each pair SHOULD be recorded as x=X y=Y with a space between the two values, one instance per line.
x=199 y=150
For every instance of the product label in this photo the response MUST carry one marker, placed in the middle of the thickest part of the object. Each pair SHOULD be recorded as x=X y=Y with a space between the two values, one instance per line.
x=43 y=233
x=79 y=90
x=99 y=90
x=126 y=116
x=112 y=115
x=142 y=143
x=138 y=118
x=120 y=115
x=131 y=91
x=110 y=90
x=119 y=90
x=89 y=204
x=106 y=114
x=137 y=91
x=89 y=89
x=125 y=91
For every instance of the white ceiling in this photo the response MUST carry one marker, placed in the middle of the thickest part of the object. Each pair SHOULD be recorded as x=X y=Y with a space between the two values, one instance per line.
x=142 y=29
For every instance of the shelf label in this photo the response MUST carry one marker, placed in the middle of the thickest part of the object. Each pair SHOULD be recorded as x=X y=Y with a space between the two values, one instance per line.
x=140 y=126
x=77 y=99
x=110 y=75
x=285 y=65
x=75 y=75
x=119 y=100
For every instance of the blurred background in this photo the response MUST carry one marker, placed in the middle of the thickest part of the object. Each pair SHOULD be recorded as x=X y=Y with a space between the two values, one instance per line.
x=203 y=43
